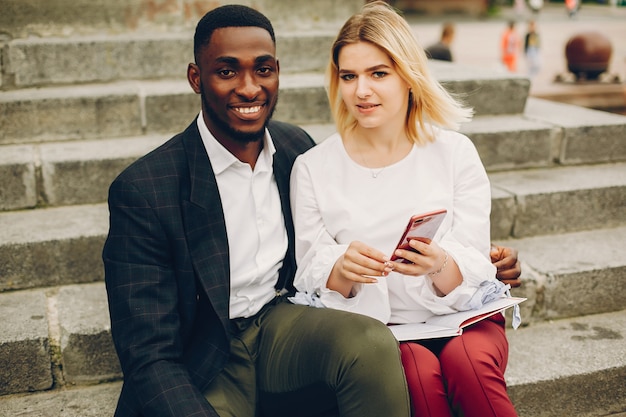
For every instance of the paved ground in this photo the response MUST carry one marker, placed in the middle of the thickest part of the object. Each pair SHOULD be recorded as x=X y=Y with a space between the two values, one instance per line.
x=477 y=40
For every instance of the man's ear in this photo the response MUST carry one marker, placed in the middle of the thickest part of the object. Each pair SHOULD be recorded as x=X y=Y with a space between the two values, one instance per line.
x=193 y=77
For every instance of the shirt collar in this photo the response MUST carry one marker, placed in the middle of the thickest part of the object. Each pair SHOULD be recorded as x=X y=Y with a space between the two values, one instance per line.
x=221 y=158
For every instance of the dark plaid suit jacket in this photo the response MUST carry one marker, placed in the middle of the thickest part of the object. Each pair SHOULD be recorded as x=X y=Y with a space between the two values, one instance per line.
x=167 y=272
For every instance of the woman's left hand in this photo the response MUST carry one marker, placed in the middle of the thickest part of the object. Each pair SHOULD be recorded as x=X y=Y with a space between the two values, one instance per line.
x=432 y=260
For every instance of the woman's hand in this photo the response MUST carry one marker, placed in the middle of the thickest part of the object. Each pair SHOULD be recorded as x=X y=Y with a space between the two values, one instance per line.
x=359 y=264
x=425 y=259
x=432 y=260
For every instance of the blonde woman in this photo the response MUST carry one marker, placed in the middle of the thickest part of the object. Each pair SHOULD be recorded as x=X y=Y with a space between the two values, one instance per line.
x=396 y=154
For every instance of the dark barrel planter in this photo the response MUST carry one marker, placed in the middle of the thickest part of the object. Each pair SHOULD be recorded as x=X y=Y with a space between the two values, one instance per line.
x=588 y=55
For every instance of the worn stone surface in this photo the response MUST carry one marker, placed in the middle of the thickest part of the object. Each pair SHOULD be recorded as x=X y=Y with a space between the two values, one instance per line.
x=81 y=401
x=574 y=274
x=512 y=141
x=79 y=112
x=47 y=247
x=24 y=343
x=18 y=181
x=565 y=199
x=569 y=367
x=63 y=17
x=138 y=56
x=86 y=345
x=80 y=172
x=589 y=135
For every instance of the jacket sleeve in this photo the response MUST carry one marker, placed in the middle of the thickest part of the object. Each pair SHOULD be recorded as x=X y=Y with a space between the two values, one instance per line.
x=143 y=305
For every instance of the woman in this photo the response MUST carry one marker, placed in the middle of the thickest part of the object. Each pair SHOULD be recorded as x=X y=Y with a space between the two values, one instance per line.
x=353 y=194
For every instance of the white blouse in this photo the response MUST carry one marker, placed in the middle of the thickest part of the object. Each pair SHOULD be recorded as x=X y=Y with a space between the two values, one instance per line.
x=335 y=201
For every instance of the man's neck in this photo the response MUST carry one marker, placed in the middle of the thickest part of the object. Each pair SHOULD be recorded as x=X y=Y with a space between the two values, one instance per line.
x=248 y=153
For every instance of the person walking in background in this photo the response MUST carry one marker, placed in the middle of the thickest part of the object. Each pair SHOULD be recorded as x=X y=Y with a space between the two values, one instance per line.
x=441 y=49
x=510 y=46
x=572 y=8
x=531 y=49
x=397 y=153
x=535 y=5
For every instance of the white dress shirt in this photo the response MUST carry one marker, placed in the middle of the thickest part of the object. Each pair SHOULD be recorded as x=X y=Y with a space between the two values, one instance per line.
x=336 y=201
x=257 y=238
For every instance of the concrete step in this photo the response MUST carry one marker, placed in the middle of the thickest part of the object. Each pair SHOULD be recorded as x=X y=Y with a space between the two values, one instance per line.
x=79 y=172
x=562 y=276
x=572 y=274
x=525 y=203
x=71 y=172
x=569 y=367
x=34 y=62
x=52 y=246
x=547 y=133
x=131 y=108
x=589 y=135
x=556 y=200
x=556 y=368
x=60 y=331
x=135 y=107
x=65 y=17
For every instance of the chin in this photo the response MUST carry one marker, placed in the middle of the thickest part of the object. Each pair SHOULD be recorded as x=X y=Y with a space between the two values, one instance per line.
x=248 y=136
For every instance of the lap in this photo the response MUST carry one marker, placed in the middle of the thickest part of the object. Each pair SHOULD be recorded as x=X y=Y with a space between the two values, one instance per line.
x=318 y=338
x=315 y=362
x=291 y=358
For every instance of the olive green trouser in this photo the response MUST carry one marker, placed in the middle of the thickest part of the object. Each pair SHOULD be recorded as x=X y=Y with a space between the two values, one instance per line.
x=299 y=361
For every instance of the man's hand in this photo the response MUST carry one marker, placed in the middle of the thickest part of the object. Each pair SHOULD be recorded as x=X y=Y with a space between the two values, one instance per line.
x=507 y=264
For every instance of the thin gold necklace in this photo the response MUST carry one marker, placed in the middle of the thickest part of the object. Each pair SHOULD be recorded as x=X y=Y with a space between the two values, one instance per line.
x=373 y=172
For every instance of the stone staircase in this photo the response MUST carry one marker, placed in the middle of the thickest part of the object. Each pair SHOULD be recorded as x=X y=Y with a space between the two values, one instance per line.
x=89 y=86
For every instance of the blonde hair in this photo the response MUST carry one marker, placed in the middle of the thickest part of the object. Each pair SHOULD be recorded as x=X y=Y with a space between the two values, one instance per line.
x=429 y=103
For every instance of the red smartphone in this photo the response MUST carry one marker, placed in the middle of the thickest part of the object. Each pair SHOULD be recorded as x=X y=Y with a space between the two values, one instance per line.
x=421 y=227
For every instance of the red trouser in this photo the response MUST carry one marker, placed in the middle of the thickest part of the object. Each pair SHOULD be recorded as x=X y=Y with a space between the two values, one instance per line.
x=461 y=376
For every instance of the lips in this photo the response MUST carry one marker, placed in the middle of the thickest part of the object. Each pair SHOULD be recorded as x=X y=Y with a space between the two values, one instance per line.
x=366 y=107
x=248 y=112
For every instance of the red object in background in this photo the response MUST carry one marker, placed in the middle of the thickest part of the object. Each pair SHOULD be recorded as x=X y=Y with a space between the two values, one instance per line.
x=588 y=55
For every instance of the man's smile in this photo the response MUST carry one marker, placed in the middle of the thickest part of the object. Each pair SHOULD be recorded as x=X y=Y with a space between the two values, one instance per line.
x=248 y=110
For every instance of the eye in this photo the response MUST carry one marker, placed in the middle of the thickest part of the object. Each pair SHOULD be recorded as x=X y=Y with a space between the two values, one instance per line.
x=379 y=74
x=226 y=73
x=347 y=77
x=266 y=71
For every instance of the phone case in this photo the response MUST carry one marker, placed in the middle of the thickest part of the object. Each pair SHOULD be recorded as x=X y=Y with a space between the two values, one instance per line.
x=422 y=227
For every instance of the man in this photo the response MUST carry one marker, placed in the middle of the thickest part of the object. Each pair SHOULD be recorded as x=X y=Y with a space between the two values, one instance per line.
x=200 y=255
x=441 y=50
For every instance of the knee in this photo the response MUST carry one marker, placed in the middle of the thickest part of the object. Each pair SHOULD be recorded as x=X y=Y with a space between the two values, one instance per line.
x=364 y=338
x=460 y=357
x=417 y=356
x=420 y=364
x=372 y=335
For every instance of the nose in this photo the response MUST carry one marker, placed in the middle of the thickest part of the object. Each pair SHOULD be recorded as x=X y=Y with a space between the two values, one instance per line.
x=363 y=89
x=249 y=87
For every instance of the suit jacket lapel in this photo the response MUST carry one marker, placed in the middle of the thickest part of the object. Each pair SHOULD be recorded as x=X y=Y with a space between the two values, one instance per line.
x=282 y=170
x=205 y=227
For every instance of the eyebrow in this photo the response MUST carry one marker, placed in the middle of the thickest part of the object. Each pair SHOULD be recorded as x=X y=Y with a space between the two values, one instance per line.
x=370 y=69
x=235 y=61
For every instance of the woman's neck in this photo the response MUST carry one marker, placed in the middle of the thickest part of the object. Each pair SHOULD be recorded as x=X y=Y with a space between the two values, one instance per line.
x=377 y=148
